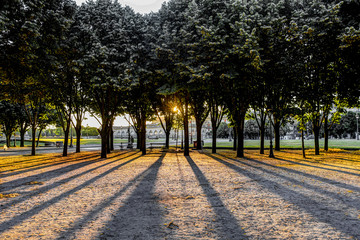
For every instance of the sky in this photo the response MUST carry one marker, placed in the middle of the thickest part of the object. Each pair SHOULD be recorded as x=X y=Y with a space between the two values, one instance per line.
x=141 y=6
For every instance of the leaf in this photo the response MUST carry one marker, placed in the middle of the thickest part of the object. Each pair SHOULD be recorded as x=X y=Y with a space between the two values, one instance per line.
x=10 y=195
x=172 y=225
x=34 y=183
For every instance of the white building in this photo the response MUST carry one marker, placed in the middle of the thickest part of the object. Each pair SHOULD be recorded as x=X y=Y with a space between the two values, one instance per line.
x=155 y=131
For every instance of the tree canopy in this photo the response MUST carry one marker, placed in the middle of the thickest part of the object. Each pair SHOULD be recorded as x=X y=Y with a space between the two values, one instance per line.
x=272 y=57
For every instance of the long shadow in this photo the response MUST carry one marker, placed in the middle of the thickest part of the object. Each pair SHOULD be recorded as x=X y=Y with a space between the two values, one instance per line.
x=54 y=163
x=181 y=173
x=312 y=155
x=336 y=166
x=228 y=223
x=355 y=201
x=28 y=214
x=44 y=166
x=38 y=159
x=141 y=206
x=321 y=179
x=56 y=184
x=338 y=219
x=31 y=160
x=322 y=163
x=41 y=177
x=345 y=159
x=323 y=168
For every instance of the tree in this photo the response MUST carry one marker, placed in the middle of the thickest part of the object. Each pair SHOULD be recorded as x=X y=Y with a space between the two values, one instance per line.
x=216 y=115
x=318 y=41
x=31 y=46
x=105 y=60
x=349 y=53
x=8 y=119
x=345 y=126
x=223 y=130
x=175 y=29
x=331 y=116
x=48 y=116
x=260 y=118
x=200 y=110
x=274 y=83
x=241 y=61
x=63 y=83
x=24 y=124
x=164 y=108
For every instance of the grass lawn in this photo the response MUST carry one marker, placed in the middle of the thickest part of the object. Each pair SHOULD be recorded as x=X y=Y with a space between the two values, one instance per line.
x=309 y=144
x=333 y=143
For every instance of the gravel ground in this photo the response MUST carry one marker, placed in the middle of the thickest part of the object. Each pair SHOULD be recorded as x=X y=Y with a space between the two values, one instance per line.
x=167 y=196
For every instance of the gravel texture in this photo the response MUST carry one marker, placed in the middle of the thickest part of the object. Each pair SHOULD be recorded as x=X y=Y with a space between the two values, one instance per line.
x=165 y=195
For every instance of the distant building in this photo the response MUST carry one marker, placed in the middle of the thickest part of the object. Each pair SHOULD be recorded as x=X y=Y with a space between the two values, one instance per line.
x=155 y=131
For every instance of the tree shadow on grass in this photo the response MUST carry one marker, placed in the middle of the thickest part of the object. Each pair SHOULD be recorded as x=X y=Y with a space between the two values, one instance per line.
x=328 y=214
x=35 y=210
x=30 y=159
x=45 y=176
x=323 y=168
x=25 y=169
x=230 y=229
x=139 y=218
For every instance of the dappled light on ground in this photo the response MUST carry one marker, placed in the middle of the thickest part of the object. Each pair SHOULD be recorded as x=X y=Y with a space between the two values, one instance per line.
x=166 y=195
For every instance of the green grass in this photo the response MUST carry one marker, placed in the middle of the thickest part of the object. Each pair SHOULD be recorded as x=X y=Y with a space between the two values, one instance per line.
x=333 y=143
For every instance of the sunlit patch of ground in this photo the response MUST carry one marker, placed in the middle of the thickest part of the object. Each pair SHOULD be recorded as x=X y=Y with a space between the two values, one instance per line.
x=164 y=195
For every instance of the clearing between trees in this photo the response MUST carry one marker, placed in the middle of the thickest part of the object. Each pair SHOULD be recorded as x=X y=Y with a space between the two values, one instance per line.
x=165 y=195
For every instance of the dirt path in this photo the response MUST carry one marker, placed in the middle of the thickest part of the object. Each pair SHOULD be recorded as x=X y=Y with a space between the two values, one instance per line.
x=168 y=196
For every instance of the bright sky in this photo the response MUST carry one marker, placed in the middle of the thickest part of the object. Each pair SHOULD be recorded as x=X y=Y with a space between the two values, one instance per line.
x=141 y=6
x=92 y=122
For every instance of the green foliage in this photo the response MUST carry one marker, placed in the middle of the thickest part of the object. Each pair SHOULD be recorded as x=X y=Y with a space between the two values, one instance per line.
x=9 y=113
x=282 y=57
x=346 y=125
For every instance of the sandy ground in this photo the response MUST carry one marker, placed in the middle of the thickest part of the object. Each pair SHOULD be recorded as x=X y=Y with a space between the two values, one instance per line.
x=167 y=196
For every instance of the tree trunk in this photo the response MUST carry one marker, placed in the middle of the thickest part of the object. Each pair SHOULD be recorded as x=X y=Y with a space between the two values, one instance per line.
x=326 y=135
x=235 y=139
x=316 y=130
x=186 y=128
x=22 y=136
x=66 y=138
x=108 y=149
x=303 y=143
x=167 y=140
x=38 y=138
x=213 y=147
x=103 y=144
x=198 y=134
x=8 y=137
x=262 y=138
x=78 y=138
x=143 y=136
x=112 y=139
x=78 y=135
x=277 y=134
x=33 y=140
x=104 y=137
x=138 y=140
x=240 y=133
